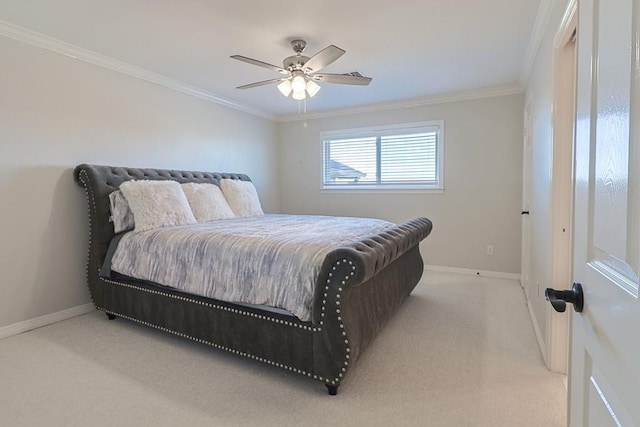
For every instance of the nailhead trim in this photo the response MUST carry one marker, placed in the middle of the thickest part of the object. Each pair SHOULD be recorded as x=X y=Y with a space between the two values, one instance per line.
x=215 y=306
x=218 y=346
x=339 y=317
x=84 y=177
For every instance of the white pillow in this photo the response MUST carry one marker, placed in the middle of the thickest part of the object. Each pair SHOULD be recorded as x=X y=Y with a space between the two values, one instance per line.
x=121 y=214
x=157 y=204
x=207 y=202
x=242 y=197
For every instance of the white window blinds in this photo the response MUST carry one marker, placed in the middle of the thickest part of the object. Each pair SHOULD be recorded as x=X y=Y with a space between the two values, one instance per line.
x=388 y=158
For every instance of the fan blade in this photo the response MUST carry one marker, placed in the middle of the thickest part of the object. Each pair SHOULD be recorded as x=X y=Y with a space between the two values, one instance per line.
x=345 y=79
x=323 y=58
x=265 y=82
x=260 y=64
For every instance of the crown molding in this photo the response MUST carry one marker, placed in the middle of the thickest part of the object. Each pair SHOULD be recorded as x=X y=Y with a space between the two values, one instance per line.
x=415 y=102
x=63 y=48
x=537 y=34
x=54 y=45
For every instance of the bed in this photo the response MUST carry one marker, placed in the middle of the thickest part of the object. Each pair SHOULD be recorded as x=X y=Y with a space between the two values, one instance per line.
x=359 y=285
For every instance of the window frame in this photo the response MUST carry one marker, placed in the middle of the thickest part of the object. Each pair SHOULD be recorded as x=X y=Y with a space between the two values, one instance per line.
x=386 y=130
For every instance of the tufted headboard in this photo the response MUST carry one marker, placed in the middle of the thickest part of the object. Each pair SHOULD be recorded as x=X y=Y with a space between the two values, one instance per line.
x=99 y=181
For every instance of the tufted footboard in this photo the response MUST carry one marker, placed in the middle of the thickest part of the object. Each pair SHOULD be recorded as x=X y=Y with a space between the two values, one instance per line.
x=359 y=288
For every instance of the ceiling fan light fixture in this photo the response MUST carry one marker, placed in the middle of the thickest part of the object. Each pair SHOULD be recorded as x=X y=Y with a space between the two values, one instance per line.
x=301 y=72
x=312 y=88
x=285 y=87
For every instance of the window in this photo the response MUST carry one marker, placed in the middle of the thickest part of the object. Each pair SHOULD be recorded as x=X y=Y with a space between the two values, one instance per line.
x=392 y=157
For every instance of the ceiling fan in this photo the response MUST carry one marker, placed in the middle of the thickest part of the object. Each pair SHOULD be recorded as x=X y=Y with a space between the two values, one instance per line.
x=301 y=72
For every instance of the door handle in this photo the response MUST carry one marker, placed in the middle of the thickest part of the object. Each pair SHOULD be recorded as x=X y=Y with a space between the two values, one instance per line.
x=524 y=213
x=559 y=299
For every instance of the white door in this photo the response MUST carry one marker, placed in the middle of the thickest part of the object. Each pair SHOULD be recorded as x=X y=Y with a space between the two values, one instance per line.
x=605 y=351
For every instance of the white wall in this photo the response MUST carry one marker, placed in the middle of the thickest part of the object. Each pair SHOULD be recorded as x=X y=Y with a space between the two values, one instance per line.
x=56 y=112
x=539 y=98
x=483 y=178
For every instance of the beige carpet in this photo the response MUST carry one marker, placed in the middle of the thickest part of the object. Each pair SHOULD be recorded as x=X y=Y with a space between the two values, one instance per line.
x=461 y=352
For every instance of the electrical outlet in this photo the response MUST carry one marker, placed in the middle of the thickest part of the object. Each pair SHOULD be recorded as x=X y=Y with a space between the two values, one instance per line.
x=489 y=250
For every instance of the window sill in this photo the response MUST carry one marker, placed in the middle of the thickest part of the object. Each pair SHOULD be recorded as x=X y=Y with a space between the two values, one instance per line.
x=382 y=190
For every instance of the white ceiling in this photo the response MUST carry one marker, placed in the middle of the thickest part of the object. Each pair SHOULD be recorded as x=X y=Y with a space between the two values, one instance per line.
x=412 y=48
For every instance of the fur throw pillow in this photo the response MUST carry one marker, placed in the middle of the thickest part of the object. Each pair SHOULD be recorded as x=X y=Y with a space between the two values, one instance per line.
x=157 y=204
x=207 y=202
x=242 y=197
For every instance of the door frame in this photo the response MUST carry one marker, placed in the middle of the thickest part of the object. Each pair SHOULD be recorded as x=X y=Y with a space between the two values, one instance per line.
x=525 y=256
x=562 y=181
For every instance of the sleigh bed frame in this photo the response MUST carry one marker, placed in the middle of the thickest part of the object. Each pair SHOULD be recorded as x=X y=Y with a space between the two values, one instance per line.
x=359 y=288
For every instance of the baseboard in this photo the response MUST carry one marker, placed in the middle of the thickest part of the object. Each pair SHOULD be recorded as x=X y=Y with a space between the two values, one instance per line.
x=38 y=322
x=470 y=272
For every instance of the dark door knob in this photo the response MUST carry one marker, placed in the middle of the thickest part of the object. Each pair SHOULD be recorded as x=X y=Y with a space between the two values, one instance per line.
x=559 y=299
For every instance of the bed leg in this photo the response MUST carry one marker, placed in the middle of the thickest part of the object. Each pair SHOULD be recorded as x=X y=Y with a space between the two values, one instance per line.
x=111 y=316
x=333 y=389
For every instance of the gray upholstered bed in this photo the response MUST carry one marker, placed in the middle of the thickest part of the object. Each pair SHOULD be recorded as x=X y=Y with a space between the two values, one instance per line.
x=359 y=287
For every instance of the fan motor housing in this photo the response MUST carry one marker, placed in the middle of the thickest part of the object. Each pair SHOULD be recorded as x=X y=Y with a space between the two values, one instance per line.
x=295 y=62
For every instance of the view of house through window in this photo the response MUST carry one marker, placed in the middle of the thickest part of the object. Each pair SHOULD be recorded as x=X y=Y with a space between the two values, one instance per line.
x=408 y=156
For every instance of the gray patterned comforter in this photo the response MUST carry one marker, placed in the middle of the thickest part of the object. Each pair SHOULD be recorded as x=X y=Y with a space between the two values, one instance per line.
x=271 y=260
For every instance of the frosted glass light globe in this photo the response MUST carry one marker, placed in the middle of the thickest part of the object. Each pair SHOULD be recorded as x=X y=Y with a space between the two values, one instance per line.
x=312 y=88
x=285 y=87
x=298 y=84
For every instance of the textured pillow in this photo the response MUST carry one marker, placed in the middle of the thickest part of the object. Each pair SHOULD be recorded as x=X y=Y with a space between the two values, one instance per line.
x=242 y=197
x=157 y=204
x=121 y=214
x=207 y=202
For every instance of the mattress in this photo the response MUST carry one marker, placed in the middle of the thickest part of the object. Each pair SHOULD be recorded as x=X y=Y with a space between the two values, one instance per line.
x=270 y=260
